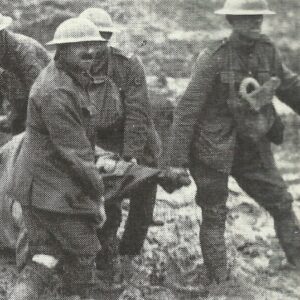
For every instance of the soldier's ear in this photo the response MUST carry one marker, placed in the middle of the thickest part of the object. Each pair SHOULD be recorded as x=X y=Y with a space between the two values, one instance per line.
x=57 y=52
x=229 y=19
x=60 y=49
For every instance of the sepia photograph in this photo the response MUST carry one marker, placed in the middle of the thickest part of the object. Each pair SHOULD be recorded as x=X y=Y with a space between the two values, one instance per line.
x=149 y=150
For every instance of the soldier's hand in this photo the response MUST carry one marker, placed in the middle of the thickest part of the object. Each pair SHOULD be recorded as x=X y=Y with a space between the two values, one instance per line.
x=134 y=161
x=130 y=159
x=174 y=178
x=178 y=171
x=106 y=165
x=102 y=214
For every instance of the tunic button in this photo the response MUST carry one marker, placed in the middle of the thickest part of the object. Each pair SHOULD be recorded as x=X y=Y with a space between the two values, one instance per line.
x=250 y=73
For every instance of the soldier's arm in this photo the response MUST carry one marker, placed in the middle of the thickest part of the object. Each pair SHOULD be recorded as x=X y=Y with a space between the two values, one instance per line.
x=289 y=90
x=189 y=108
x=31 y=64
x=137 y=111
x=70 y=140
x=28 y=57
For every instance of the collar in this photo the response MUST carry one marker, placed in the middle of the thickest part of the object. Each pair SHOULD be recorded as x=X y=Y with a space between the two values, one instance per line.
x=83 y=78
x=242 y=44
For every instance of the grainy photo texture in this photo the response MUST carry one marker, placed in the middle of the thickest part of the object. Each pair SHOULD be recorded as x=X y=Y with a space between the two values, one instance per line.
x=149 y=149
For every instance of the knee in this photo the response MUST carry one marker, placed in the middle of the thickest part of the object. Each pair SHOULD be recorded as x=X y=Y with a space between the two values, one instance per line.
x=211 y=192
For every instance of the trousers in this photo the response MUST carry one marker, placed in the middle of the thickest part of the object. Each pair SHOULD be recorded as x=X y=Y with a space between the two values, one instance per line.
x=259 y=177
x=142 y=201
x=71 y=239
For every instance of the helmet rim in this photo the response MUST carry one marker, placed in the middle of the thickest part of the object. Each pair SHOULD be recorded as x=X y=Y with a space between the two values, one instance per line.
x=242 y=12
x=245 y=7
x=75 y=40
x=68 y=32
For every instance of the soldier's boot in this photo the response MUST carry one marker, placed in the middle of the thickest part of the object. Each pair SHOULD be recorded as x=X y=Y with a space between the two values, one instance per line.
x=110 y=276
x=214 y=256
x=109 y=247
x=113 y=278
x=127 y=265
x=79 y=278
x=31 y=282
x=212 y=242
x=287 y=228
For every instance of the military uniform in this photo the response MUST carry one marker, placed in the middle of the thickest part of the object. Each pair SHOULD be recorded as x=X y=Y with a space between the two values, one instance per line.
x=55 y=178
x=207 y=141
x=23 y=58
x=131 y=134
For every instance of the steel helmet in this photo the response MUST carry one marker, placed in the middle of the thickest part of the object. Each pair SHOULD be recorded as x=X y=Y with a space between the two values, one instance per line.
x=76 y=30
x=245 y=7
x=5 y=21
x=100 y=18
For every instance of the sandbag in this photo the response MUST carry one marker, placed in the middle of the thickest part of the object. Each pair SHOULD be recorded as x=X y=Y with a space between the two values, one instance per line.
x=253 y=111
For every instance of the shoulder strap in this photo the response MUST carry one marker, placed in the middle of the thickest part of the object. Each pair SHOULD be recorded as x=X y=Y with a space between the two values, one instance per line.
x=110 y=68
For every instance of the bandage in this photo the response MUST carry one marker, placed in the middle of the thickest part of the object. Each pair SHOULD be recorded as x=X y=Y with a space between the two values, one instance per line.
x=47 y=260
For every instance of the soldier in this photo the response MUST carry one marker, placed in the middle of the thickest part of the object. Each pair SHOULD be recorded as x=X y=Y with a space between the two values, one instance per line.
x=218 y=133
x=124 y=126
x=22 y=58
x=55 y=178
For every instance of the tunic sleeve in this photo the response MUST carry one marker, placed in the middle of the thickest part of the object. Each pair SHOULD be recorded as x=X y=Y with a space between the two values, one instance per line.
x=69 y=138
x=189 y=108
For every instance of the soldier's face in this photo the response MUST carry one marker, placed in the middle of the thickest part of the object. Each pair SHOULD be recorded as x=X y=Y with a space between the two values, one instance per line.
x=247 y=26
x=81 y=55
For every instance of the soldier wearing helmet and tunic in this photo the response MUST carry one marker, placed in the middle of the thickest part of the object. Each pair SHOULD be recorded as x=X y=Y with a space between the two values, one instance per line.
x=124 y=126
x=55 y=178
x=21 y=58
x=225 y=124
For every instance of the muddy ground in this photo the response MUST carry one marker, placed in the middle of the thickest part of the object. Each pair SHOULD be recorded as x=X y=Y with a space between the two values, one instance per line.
x=171 y=258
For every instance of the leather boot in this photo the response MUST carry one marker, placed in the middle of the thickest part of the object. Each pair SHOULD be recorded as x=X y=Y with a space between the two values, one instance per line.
x=31 y=282
x=113 y=278
x=213 y=245
x=288 y=231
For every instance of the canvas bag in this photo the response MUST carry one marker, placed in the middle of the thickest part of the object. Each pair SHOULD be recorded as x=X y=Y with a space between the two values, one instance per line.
x=253 y=111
